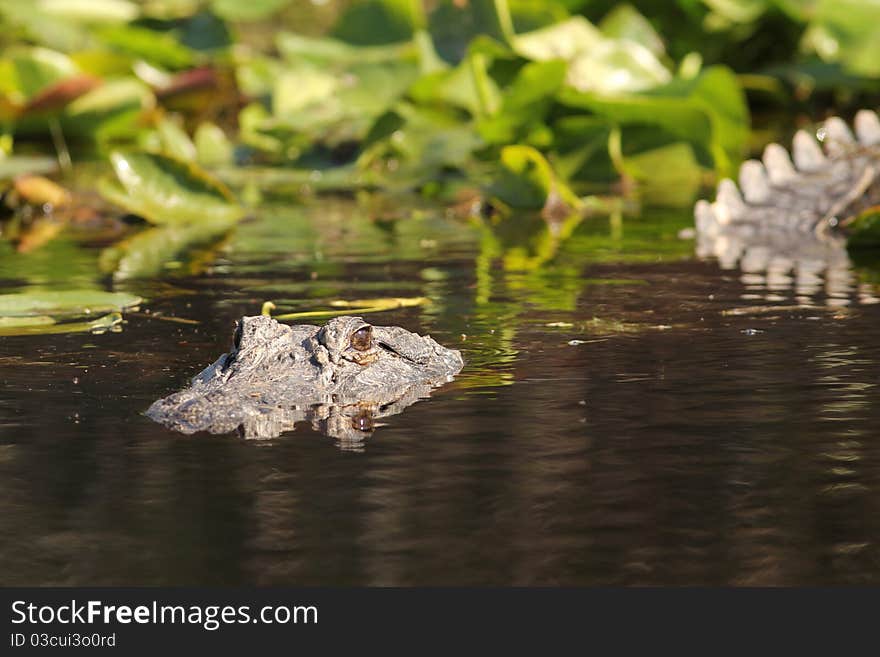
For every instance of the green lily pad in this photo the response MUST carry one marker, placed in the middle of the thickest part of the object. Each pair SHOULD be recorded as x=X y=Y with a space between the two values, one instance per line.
x=39 y=326
x=164 y=190
x=47 y=312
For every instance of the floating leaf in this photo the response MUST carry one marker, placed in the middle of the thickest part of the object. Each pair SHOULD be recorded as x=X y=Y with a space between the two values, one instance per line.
x=64 y=303
x=359 y=307
x=38 y=326
x=164 y=190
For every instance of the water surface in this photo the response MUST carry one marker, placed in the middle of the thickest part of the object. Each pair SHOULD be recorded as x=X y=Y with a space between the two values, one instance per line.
x=615 y=422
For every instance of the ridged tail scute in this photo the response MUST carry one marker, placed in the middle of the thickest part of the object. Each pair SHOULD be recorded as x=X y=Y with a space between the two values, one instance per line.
x=814 y=191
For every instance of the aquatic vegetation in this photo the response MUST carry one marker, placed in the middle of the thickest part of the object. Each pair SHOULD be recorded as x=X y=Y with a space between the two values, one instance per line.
x=197 y=113
x=39 y=312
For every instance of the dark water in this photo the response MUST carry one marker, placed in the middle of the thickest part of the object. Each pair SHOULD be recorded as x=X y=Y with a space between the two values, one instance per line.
x=614 y=424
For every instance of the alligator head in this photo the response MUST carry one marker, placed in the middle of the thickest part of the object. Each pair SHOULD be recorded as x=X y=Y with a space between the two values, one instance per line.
x=342 y=377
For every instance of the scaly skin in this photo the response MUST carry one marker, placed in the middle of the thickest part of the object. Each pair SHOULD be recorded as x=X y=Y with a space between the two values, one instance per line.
x=341 y=377
x=795 y=212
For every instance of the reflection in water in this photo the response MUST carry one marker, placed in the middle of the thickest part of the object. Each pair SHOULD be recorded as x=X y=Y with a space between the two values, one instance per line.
x=558 y=456
x=795 y=266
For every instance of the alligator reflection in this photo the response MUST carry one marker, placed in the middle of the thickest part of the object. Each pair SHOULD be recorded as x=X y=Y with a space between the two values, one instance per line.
x=785 y=266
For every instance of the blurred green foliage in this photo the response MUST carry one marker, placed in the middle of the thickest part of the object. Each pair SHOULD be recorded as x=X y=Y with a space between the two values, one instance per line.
x=403 y=94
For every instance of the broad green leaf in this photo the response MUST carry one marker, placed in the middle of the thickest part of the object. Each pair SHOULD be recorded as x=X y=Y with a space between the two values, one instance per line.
x=616 y=66
x=596 y=62
x=63 y=303
x=90 y=11
x=36 y=68
x=174 y=141
x=372 y=22
x=246 y=10
x=625 y=22
x=467 y=86
x=709 y=110
x=213 y=147
x=428 y=141
x=363 y=93
x=525 y=102
x=527 y=181
x=565 y=40
x=159 y=48
x=163 y=190
x=668 y=175
x=108 y=111
x=325 y=50
x=109 y=322
x=299 y=87
x=847 y=31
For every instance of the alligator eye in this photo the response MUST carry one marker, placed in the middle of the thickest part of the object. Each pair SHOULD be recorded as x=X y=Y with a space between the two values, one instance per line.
x=362 y=339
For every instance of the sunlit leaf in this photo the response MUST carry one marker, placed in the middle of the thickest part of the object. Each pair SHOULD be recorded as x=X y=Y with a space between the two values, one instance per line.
x=174 y=141
x=163 y=190
x=358 y=307
x=248 y=10
x=213 y=147
x=90 y=11
x=64 y=303
x=38 y=326
x=709 y=110
x=527 y=181
x=625 y=22
x=110 y=110
x=37 y=68
x=157 y=47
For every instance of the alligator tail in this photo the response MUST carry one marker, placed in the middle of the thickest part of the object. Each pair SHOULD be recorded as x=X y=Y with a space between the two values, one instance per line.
x=820 y=193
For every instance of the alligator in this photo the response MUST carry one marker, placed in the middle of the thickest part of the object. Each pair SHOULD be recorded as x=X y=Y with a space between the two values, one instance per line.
x=341 y=377
x=794 y=216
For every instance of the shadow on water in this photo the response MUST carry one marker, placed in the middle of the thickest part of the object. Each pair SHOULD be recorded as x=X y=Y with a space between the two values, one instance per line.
x=627 y=414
